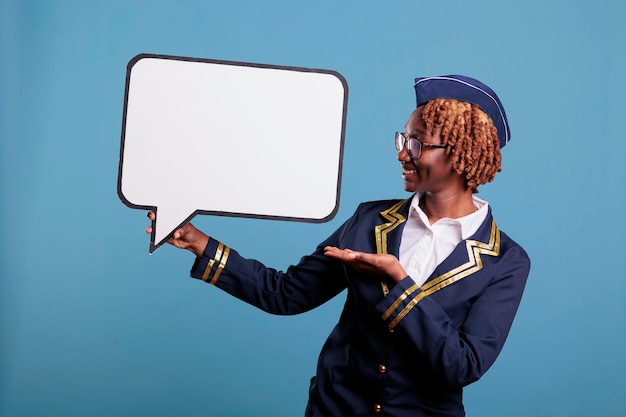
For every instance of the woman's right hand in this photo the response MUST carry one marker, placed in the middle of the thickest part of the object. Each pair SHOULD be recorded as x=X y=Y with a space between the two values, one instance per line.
x=187 y=237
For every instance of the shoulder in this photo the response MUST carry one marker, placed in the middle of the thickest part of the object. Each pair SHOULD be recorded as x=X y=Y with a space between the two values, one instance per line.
x=510 y=249
x=507 y=252
x=506 y=246
x=379 y=206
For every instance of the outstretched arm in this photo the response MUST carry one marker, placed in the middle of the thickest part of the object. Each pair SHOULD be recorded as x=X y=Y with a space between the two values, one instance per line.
x=303 y=286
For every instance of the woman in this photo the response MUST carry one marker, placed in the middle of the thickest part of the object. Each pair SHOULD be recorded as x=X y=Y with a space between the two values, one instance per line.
x=433 y=284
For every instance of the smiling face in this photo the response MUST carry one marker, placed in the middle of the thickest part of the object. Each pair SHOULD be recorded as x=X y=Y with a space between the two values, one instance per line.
x=434 y=170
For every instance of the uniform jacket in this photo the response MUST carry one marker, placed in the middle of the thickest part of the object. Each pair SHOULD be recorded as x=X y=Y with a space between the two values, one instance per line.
x=397 y=350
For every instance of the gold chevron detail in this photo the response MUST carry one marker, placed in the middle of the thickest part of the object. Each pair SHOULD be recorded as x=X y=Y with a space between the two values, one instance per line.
x=381 y=231
x=474 y=251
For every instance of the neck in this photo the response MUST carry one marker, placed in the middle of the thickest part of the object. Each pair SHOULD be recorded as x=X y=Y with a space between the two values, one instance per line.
x=453 y=205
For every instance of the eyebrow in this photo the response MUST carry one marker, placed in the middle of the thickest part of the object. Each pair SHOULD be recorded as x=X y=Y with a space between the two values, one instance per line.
x=415 y=132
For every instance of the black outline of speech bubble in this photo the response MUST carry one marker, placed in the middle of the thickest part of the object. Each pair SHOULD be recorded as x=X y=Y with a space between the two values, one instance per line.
x=139 y=57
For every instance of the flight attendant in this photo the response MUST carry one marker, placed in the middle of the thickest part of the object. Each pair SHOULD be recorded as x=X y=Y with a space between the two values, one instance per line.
x=432 y=283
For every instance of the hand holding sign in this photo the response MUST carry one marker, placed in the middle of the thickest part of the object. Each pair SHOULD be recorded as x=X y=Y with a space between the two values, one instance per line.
x=187 y=237
x=227 y=138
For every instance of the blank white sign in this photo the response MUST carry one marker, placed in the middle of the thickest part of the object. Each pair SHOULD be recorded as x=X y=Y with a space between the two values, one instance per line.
x=230 y=138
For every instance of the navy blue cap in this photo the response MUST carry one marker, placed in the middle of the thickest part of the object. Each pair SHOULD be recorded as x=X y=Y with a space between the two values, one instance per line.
x=469 y=90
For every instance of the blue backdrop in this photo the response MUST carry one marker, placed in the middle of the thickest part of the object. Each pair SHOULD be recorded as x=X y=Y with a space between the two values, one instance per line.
x=91 y=325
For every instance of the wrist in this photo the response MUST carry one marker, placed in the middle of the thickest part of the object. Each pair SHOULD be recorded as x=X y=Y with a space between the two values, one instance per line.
x=399 y=274
x=199 y=245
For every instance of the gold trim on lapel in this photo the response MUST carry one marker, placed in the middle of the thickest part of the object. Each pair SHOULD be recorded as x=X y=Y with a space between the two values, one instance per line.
x=381 y=231
x=474 y=251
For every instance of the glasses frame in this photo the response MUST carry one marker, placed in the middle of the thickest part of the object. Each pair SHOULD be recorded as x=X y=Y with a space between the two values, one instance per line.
x=401 y=140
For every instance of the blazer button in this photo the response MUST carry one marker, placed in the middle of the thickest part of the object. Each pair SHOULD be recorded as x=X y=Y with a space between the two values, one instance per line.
x=382 y=368
x=378 y=408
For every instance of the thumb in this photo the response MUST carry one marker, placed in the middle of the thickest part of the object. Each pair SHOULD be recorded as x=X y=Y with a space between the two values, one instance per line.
x=180 y=233
x=186 y=233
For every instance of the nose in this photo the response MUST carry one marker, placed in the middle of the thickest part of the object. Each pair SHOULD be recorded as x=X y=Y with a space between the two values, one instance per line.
x=403 y=155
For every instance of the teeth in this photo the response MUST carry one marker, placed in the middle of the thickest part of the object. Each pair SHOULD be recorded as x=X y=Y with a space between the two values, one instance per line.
x=408 y=172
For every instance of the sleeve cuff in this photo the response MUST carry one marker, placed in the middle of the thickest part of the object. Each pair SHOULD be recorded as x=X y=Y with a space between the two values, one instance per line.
x=209 y=267
x=400 y=301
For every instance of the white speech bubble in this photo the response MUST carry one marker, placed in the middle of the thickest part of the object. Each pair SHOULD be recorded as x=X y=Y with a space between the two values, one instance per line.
x=230 y=138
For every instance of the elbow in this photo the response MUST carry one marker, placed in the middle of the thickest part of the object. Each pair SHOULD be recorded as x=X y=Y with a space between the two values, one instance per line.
x=461 y=370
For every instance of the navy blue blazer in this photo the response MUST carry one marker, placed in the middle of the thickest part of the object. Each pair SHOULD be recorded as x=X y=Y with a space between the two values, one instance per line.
x=397 y=350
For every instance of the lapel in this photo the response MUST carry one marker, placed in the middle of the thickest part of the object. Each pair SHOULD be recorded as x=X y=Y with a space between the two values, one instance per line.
x=467 y=257
x=389 y=231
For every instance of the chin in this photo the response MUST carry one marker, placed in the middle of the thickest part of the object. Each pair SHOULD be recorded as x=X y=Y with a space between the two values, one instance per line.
x=411 y=188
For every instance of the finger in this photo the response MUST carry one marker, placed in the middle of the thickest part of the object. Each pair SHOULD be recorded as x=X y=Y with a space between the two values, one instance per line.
x=340 y=254
x=182 y=232
x=367 y=258
x=336 y=250
x=149 y=230
x=350 y=254
x=151 y=215
x=353 y=256
x=333 y=252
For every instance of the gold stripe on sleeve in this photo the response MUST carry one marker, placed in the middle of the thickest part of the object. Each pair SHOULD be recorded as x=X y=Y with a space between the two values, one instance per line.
x=207 y=270
x=221 y=266
x=399 y=300
x=217 y=258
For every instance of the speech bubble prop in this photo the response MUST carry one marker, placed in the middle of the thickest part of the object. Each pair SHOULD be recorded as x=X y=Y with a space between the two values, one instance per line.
x=227 y=138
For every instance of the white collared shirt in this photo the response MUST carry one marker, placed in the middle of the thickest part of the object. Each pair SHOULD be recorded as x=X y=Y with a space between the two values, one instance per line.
x=424 y=246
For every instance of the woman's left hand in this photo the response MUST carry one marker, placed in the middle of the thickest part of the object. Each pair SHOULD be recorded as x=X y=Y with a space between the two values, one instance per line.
x=376 y=264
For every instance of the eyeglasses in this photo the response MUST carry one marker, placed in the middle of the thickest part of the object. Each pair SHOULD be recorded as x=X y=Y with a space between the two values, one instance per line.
x=412 y=145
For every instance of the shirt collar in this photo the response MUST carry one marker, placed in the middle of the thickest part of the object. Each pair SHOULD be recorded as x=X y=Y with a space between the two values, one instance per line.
x=469 y=224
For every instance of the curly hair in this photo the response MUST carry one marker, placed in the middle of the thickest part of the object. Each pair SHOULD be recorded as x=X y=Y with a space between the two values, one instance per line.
x=471 y=137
